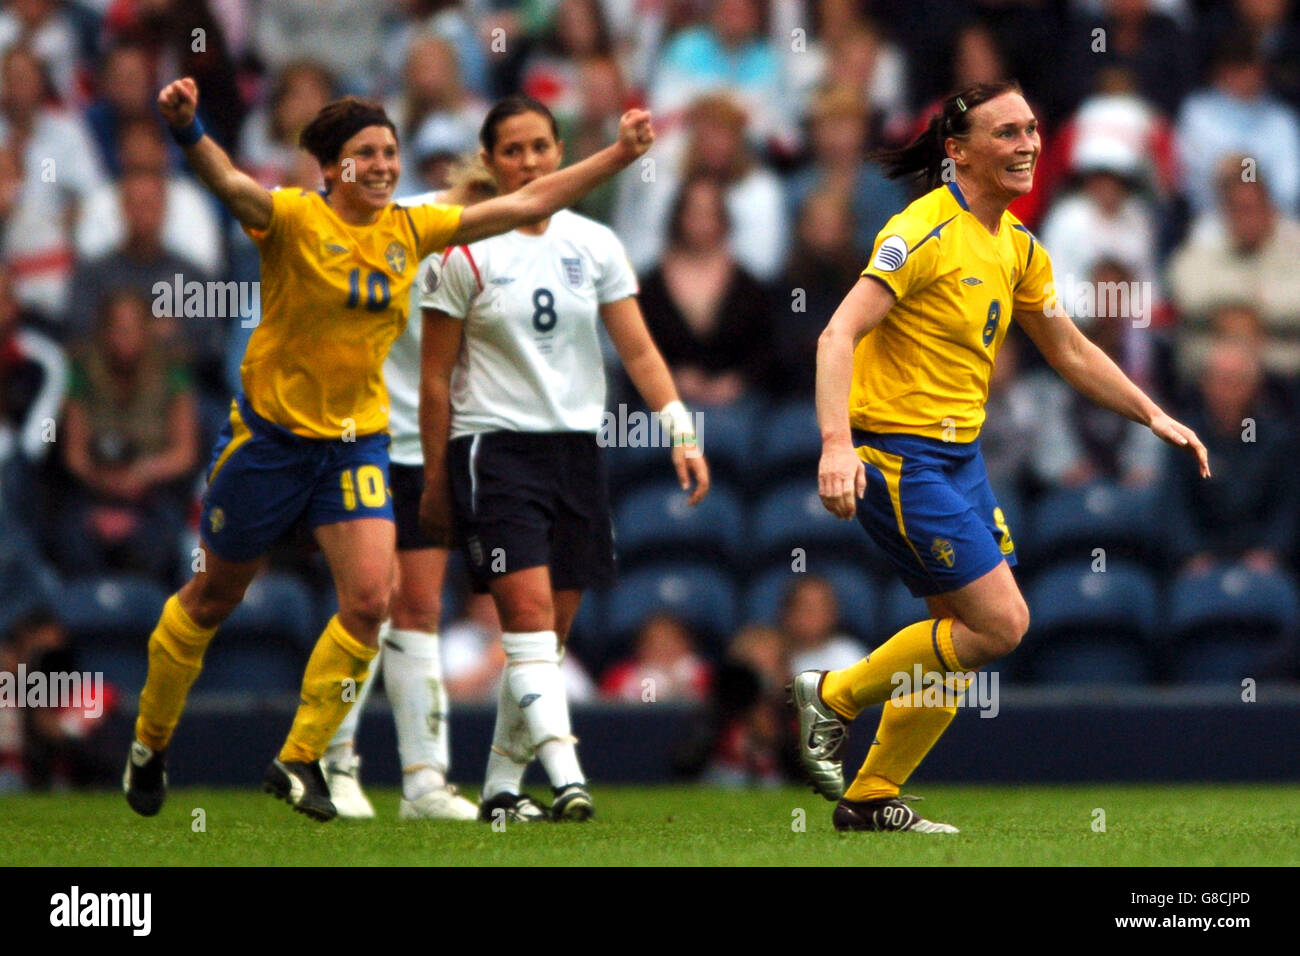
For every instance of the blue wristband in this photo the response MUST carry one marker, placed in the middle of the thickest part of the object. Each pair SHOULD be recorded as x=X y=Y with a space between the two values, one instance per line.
x=187 y=136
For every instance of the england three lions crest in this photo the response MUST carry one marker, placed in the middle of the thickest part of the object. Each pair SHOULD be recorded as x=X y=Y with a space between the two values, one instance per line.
x=575 y=273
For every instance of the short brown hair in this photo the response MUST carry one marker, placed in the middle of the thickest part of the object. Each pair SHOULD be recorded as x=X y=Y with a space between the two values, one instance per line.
x=337 y=122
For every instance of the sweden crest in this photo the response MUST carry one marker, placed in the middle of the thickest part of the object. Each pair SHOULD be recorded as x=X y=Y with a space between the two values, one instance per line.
x=396 y=257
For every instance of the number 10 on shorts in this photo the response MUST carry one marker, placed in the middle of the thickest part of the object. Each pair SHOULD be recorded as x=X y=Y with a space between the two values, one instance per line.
x=366 y=481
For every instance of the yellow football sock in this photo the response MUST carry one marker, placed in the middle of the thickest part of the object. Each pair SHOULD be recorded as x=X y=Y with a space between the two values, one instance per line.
x=176 y=649
x=337 y=657
x=909 y=727
x=928 y=643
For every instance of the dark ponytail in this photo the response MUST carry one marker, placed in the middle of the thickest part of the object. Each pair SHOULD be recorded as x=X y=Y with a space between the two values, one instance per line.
x=922 y=159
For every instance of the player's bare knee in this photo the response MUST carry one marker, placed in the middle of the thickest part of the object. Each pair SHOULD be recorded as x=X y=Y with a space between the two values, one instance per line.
x=421 y=615
x=369 y=606
x=209 y=601
x=524 y=614
x=1007 y=629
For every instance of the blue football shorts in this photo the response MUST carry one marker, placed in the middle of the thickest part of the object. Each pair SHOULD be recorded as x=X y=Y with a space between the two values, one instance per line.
x=264 y=479
x=929 y=505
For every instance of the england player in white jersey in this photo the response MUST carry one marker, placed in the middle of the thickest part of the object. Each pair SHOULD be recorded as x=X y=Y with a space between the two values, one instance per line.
x=408 y=641
x=512 y=393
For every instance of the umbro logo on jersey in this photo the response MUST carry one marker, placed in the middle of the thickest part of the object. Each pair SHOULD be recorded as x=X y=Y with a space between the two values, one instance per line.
x=335 y=248
x=972 y=280
x=502 y=280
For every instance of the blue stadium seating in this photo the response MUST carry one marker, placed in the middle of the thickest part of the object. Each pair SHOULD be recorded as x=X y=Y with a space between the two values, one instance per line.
x=111 y=609
x=701 y=594
x=791 y=516
x=123 y=667
x=788 y=444
x=727 y=435
x=275 y=668
x=277 y=606
x=654 y=522
x=1069 y=523
x=855 y=591
x=897 y=610
x=1231 y=623
x=1070 y=604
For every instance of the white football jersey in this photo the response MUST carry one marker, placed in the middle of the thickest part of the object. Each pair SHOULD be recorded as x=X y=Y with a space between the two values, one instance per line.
x=402 y=368
x=531 y=358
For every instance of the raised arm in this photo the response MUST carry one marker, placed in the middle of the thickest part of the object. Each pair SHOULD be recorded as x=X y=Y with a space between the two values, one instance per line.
x=1090 y=371
x=247 y=201
x=841 y=477
x=547 y=195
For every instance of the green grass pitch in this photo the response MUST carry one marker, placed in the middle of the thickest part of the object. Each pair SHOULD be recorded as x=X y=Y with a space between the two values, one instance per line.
x=1145 y=825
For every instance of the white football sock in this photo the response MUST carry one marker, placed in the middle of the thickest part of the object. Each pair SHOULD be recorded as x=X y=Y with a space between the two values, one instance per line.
x=511 y=751
x=342 y=745
x=535 y=683
x=413 y=681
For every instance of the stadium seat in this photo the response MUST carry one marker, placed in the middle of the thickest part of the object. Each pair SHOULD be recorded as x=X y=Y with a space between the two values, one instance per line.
x=273 y=669
x=655 y=523
x=727 y=435
x=788 y=444
x=700 y=594
x=1071 y=604
x=277 y=606
x=1081 y=663
x=791 y=516
x=115 y=608
x=855 y=591
x=1069 y=523
x=897 y=610
x=1230 y=623
x=124 y=667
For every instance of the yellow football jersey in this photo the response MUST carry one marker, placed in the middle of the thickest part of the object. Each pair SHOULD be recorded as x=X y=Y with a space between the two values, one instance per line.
x=925 y=369
x=334 y=297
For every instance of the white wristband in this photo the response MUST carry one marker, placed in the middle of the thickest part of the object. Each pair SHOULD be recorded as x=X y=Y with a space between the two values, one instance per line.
x=677 y=421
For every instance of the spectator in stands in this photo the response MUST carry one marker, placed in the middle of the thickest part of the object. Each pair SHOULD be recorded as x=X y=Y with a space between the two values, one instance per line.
x=126 y=94
x=855 y=54
x=131 y=442
x=138 y=264
x=729 y=53
x=823 y=266
x=1134 y=35
x=1239 y=114
x=602 y=98
x=1077 y=441
x=577 y=32
x=166 y=29
x=268 y=143
x=1248 y=510
x=1106 y=217
x=41 y=27
x=59 y=166
x=1246 y=254
x=343 y=36
x=840 y=146
x=33 y=382
x=809 y=621
x=714 y=144
x=433 y=103
x=663 y=666
x=746 y=738
x=708 y=315
x=190 y=229
x=66 y=745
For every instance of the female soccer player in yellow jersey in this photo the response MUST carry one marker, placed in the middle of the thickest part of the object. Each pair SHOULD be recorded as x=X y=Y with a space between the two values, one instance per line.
x=307 y=441
x=902 y=376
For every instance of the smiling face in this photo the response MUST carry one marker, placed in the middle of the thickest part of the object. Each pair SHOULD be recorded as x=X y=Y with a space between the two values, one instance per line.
x=1000 y=153
x=525 y=149
x=364 y=176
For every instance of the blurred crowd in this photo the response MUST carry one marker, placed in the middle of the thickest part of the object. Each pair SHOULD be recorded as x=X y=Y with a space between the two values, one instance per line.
x=1167 y=194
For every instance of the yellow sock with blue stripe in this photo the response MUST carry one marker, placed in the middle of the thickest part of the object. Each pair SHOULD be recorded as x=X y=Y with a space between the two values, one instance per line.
x=325 y=701
x=874 y=678
x=909 y=727
x=176 y=649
